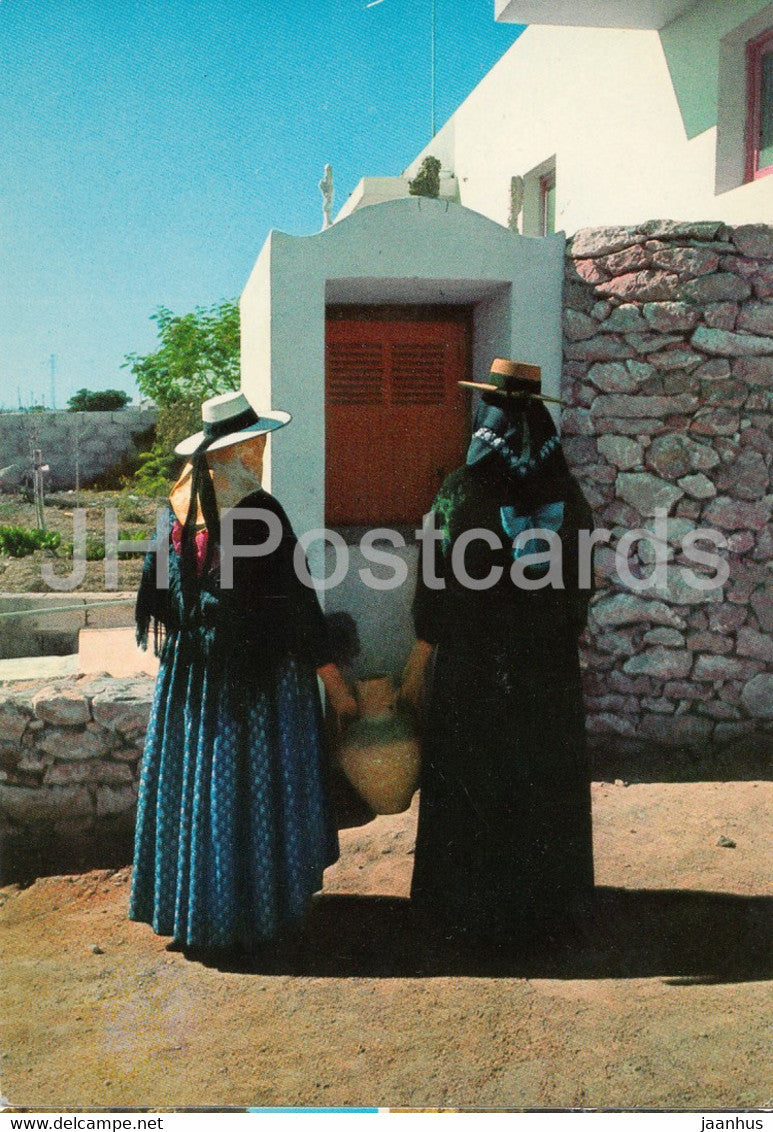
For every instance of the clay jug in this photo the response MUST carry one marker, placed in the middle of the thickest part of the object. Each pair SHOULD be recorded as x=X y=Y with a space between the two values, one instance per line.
x=380 y=752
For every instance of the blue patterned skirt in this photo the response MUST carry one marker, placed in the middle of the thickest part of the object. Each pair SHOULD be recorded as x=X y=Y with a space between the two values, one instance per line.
x=234 y=826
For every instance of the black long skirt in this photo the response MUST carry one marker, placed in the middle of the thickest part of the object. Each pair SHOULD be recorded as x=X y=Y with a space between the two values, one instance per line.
x=504 y=840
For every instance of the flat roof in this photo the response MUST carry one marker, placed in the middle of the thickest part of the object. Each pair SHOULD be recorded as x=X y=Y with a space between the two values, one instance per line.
x=652 y=14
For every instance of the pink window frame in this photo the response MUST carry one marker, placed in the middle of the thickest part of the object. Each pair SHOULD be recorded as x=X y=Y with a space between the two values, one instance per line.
x=756 y=49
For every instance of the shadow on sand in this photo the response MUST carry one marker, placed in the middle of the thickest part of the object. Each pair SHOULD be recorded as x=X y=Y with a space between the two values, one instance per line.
x=685 y=937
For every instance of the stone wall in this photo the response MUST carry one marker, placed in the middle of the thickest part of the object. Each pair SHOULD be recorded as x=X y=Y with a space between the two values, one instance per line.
x=70 y=753
x=667 y=383
x=100 y=441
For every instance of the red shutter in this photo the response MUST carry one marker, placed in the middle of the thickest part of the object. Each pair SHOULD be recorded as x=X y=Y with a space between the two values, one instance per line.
x=396 y=420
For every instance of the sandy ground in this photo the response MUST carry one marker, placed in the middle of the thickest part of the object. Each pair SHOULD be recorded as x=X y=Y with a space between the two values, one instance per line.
x=665 y=1008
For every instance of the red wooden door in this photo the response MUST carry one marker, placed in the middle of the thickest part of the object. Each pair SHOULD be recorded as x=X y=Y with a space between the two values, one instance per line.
x=396 y=420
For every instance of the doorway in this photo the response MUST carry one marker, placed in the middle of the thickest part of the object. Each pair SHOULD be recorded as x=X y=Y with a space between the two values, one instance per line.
x=396 y=418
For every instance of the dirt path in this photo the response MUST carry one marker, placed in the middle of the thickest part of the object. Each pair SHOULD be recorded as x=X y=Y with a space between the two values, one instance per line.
x=667 y=1012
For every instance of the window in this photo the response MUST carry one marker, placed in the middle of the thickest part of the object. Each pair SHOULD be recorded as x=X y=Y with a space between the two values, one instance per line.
x=547 y=203
x=539 y=199
x=759 y=121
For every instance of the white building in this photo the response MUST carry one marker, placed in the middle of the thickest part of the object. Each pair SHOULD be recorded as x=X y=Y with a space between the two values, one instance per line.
x=616 y=112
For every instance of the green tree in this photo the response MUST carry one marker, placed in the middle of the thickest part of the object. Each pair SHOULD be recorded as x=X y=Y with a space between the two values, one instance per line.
x=198 y=355
x=102 y=401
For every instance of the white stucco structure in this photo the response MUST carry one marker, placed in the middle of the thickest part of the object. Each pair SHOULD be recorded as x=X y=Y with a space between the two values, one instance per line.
x=411 y=251
x=641 y=111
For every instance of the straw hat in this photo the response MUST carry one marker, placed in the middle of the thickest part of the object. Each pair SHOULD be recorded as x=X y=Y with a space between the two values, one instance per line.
x=513 y=379
x=229 y=419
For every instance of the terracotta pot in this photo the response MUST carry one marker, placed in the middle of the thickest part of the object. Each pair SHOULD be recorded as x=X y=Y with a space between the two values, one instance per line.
x=380 y=752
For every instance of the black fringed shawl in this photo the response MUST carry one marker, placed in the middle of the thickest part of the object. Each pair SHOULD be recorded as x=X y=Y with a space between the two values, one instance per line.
x=266 y=614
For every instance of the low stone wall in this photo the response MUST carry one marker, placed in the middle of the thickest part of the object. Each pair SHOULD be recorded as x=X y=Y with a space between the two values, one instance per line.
x=667 y=384
x=100 y=442
x=70 y=754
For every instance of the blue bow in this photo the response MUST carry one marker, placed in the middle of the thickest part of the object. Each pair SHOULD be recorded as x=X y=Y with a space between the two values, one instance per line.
x=549 y=516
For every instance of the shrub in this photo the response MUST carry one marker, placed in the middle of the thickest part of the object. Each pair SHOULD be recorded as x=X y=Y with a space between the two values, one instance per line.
x=18 y=542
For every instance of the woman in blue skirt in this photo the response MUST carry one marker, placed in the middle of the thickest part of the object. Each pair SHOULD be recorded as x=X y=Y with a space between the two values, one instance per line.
x=234 y=823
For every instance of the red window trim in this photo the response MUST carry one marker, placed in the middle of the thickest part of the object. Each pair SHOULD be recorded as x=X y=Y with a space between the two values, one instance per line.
x=756 y=49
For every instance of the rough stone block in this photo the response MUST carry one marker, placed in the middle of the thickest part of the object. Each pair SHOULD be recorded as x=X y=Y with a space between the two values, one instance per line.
x=615 y=377
x=671 y=638
x=61 y=708
x=676 y=731
x=621 y=451
x=758 y=646
x=602 y=241
x=734 y=514
x=730 y=344
x=715 y=369
x=685 y=261
x=578 y=326
x=643 y=287
x=634 y=258
x=619 y=643
x=115 y=800
x=622 y=405
x=48 y=806
x=763 y=282
x=670 y=316
x=72 y=745
x=659 y=705
x=646 y=493
x=715 y=422
x=678 y=359
x=762 y=604
x=747 y=477
x=721 y=316
x=757 y=696
x=685 y=230
x=660 y=663
x=647 y=342
x=601 y=348
x=629 y=609
x=624 y=320
x=724 y=287
x=718 y=709
x=757 y=318
x=698 y=486
x=675 y=455
x=709 y=642
x=755 y=241
x=605 y=723
x=726 y=394
x=124 y=708
x=754 y=371
x=580 y=450
x=682 y=691
x=720 y=668
x=13 y=721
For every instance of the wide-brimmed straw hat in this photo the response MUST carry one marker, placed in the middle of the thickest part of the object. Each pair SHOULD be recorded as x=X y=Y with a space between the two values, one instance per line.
x=513 y=379
x=229 y=419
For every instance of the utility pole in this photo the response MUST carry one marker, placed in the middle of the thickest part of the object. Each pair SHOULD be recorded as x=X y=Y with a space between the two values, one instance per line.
x=433 y=22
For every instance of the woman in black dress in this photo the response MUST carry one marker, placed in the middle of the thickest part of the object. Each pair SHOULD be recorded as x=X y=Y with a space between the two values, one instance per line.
x=504 y=834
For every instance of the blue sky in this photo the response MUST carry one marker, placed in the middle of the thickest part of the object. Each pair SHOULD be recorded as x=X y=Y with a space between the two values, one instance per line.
x=147 y=147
